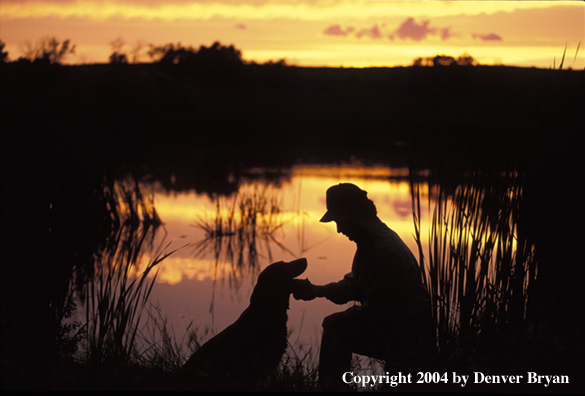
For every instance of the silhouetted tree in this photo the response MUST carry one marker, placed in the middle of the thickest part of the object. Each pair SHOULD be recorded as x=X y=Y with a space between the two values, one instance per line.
x=117 y=45
x=48 y=50
x=418 y=62
x=466 y=60
x=118 y=58
x=444 y=60
x=178 y=56
x=135 y=52
x=157 y=52
x=217 y=64
x=278 y=63
x=119 y=55
x=3 y=54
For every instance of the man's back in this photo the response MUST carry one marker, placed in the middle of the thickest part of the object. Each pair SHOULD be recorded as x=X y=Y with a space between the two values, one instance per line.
x=387 y=275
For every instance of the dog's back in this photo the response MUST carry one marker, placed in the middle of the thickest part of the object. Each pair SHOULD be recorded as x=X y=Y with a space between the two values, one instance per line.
x=248 y=350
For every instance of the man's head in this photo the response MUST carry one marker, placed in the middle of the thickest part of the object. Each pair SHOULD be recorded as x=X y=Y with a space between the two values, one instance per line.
x=350 y=208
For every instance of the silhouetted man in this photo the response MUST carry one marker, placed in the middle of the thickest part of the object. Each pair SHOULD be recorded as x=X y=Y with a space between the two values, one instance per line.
x=393 y=320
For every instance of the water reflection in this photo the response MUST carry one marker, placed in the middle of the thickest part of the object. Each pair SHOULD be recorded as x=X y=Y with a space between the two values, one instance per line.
x=243 y=227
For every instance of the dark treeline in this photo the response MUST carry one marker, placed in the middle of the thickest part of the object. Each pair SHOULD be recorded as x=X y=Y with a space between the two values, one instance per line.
x=287 y=113
x=193 y=119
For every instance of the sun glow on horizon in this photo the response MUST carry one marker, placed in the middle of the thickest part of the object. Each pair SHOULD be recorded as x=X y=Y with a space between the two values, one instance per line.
x=329 y=33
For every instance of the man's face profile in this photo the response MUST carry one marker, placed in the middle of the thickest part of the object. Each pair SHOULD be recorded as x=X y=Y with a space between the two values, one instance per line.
x=348 y=226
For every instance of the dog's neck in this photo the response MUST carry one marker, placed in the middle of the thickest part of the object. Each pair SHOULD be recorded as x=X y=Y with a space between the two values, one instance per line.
x=275 y=303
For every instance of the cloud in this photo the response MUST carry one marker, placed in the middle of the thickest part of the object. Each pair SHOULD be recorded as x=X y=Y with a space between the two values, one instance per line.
x=374 y=32
x=336 y=30
x=241 y=26
x=487 y=37
x=409 y=29
x=412 y=30
x=445 y=33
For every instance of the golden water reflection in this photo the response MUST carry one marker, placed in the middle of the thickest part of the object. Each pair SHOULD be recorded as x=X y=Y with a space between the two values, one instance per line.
x=300 y=204
x=208 y=287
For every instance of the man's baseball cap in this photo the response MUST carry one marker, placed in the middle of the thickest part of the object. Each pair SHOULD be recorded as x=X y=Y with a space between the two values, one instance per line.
x=346 y=199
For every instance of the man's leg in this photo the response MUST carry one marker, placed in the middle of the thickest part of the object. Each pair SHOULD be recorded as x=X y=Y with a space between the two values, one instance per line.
x=335 y=353
x=344 y=333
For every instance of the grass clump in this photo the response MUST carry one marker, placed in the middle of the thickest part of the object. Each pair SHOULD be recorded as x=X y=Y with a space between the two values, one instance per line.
x=114 y=302
x=163 y=351
x=297 y=371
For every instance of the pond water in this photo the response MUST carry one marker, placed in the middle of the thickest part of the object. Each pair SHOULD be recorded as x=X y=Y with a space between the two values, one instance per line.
x=224 y=242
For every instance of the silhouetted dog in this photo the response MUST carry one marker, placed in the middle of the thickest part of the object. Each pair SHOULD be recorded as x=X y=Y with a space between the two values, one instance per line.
x=246 y=352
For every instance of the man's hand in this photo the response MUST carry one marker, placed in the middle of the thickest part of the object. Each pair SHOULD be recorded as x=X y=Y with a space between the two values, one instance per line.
x=303 y=289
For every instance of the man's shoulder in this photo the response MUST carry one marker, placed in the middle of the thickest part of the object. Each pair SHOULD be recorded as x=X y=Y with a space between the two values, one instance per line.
x=386 y=238
x=389 y=246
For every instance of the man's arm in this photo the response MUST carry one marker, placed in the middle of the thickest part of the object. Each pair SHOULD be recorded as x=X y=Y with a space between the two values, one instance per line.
x=337 y=292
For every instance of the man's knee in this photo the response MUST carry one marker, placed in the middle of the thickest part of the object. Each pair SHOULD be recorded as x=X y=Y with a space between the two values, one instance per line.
x=338 y=320
x=330 y=322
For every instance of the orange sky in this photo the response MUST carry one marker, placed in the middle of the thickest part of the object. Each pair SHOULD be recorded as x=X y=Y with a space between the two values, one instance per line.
x=309 y=32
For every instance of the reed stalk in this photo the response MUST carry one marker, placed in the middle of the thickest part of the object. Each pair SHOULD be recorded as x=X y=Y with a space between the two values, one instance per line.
x=477 y=268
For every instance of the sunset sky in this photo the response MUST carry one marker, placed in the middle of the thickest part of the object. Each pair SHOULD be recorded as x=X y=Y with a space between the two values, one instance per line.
x=357 y=33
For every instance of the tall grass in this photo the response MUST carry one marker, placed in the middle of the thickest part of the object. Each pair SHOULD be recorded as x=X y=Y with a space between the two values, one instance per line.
x=114 y=302
x=477 y=266
x=114 y=293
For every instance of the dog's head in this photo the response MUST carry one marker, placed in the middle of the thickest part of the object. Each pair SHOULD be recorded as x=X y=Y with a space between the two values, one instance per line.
x=277 y=280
